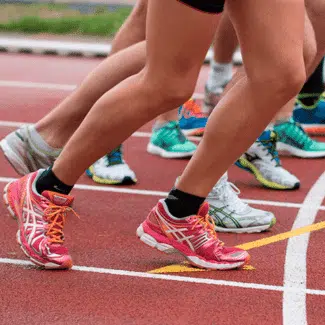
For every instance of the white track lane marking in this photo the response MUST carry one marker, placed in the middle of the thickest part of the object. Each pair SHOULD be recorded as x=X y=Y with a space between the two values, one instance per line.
x=244 y=285
x=52 y=86
x=106 y=188
x=295 y=267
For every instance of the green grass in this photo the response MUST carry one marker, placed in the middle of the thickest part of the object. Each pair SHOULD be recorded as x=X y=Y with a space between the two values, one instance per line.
x=59 y=19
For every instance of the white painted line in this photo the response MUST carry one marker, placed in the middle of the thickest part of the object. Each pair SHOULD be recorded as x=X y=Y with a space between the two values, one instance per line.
x=36 y=85
x=52 y=86
x=112 y=189
x=58 y=47
x=166 y=277
x=295 y=268
x=12 y=124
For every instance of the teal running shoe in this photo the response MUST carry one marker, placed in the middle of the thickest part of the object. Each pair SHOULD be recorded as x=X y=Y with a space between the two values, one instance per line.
x=169 y=141
x=293 y=140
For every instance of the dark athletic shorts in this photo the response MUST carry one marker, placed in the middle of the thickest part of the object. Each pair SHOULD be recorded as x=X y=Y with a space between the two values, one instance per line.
x=211 y=6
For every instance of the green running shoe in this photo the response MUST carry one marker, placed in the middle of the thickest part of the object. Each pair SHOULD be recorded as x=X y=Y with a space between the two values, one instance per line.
x=169 y=141
x=294 y=140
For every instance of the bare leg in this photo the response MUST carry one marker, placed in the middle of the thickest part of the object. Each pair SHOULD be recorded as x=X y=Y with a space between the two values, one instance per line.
x=131 y=101
x=134 y=28
x=225 y=41
x=309 y=56
x=167 y=117
x=281 y=23
x=57 y=127
x=221 y=67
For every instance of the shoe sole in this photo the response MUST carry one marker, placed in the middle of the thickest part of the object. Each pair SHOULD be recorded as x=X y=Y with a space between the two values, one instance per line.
x=249 y=230
x=155 y=150
x=193 y=260
x=194 y=132
x=14 y=160
x=314 y=129
x=246 y=165
x=125 y=181
x=48 y=266
x=284 y=148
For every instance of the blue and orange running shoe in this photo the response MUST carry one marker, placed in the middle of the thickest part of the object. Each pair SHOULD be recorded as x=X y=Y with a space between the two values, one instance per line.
x=192 y=120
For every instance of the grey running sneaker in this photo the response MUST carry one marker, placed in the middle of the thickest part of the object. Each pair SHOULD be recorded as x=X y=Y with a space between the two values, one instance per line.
x=231 y=214
x=23 y=154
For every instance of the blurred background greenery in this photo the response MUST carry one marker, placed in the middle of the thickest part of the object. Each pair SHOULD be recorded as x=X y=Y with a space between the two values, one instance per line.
x=89 y=19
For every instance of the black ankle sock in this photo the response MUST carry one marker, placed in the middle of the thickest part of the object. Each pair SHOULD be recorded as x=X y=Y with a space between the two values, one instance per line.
x=49 y=182
x=313 y=87
x=181 y=204
x=309 y=100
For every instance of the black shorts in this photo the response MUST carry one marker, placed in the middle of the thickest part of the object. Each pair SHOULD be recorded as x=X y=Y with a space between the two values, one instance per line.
x=211 y=6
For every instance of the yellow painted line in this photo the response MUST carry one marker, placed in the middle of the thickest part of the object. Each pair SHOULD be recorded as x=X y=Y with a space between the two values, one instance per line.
x=178 y=268
x=283 y=236
x=185 y=267
x=249 y=268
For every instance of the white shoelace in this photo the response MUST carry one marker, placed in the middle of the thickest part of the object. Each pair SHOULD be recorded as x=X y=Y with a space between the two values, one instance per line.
x=228 y=193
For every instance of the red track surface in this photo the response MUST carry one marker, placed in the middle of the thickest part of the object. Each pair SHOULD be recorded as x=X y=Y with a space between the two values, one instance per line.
x=105 y=238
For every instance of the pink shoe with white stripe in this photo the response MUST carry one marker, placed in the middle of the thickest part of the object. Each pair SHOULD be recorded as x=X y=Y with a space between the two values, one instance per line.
x=194 y=237
x=41 y=219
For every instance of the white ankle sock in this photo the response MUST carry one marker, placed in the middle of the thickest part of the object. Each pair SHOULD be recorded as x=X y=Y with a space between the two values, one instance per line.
x=219 y=75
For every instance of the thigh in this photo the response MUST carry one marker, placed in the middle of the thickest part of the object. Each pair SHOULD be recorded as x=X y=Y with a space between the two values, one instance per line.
x=270 y=33
x=178 y=37
x=316 y=14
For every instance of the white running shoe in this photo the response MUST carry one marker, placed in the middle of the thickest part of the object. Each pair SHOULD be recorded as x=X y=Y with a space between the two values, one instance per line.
x=23 y=154
x=231 y=214
x=112 y=170
x=262 y=160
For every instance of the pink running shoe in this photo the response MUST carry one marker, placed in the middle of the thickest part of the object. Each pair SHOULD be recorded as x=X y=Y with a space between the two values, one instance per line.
x=41 y=219
x=194 y=237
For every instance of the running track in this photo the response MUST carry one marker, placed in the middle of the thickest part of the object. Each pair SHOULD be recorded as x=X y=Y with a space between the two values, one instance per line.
x=110 y=283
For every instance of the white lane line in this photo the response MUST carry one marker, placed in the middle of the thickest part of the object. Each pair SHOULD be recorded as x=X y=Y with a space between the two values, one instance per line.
x=14 y=124
x=244 y=285
x=37 y=85
x=138 y=134
x=295 y=268
x=112 y=189
x=52 y=86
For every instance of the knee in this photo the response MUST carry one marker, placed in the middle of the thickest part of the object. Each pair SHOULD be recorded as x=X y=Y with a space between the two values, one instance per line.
x=283 y=81
x=171 y=91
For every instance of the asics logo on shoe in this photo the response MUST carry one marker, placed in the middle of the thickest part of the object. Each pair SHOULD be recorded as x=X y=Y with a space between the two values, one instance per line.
x=193 y=241
x=219 y=215
x=19 y=136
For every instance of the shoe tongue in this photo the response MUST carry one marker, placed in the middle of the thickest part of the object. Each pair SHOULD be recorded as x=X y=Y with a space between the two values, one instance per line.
x=58 y=198
x=204 y=209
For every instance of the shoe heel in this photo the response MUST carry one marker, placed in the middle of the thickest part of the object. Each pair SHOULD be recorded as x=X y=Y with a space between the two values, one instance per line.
x=5 y=199
x=152 y=242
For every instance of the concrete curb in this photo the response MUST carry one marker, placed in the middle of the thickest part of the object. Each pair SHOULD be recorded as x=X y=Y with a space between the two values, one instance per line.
x=64 y=48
